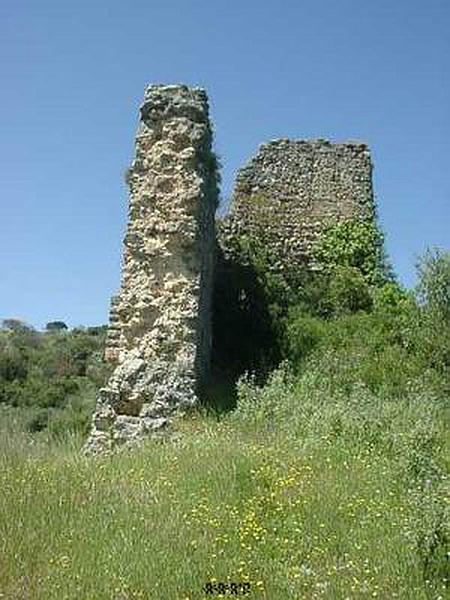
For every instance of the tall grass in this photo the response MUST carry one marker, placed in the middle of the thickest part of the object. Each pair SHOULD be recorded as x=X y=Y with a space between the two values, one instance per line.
x=328 y=481
x=303 y=491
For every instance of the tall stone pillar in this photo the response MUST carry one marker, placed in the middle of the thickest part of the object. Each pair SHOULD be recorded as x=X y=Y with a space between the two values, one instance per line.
x=160 y=331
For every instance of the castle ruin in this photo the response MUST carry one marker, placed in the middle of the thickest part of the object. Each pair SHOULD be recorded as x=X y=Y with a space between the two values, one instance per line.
x=159 y=338
x=291 y=189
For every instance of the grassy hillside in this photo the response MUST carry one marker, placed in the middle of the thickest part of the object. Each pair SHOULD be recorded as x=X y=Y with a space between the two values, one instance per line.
x=50 y=378
x=328 y=480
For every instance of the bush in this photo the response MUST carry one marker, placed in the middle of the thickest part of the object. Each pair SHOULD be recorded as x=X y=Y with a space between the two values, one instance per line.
x=37 y=422
x=301 y=335
x=429 y=338
x=56 y=326
x=357 y=244
x=52 y=378
x=393 y=301
x=38 y=392
x=262 y=405
x=383 y=350
x=74 y=419
x=13 y=364
x=16 y=326
x=348 y=291
x=433 y=288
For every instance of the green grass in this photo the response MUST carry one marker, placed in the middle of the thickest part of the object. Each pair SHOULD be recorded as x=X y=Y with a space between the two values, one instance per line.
x=303 y=492
x=329 y=481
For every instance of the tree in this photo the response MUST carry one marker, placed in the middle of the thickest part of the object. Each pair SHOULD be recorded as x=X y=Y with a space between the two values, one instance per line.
x=16 y=325
x=55 y=326
x=433 y=288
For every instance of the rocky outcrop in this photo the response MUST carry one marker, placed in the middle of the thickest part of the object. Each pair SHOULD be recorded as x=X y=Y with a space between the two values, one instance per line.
x=160 y=327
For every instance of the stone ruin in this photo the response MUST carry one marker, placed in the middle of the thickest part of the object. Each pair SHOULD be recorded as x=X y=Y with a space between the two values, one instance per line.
x=159 y=338
x=283 y=199
x=291 y=189
x=160 y=326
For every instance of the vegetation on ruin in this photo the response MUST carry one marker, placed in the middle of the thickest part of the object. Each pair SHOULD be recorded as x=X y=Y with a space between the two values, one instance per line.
x=255 y=298
x=329 y=480
x=357 y=244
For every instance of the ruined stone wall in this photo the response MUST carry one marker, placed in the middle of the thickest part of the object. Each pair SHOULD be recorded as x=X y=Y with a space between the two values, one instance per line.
x=291 y=189
x=160 y=325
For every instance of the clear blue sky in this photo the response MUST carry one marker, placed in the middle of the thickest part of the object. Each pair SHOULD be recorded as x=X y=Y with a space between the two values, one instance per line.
x=73 y=74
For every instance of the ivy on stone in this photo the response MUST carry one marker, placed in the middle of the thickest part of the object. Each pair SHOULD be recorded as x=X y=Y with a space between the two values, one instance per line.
x=357 y=244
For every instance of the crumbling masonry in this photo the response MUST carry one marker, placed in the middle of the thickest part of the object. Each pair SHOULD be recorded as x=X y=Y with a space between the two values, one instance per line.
x=159 y=337
x=290 y=190
x=160 y=333
x=283 y=199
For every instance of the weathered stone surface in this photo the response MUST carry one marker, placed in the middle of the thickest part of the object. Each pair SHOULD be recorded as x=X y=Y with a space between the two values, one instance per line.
x=291 y=189
x=282 y=200
x=160 y=324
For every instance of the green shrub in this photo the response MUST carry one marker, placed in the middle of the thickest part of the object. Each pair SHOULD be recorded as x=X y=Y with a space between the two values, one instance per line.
x=433 y=288
x=379 y=349
x=262 y=405
x=52 y=377
x=428 y=337
x=16 y=326
x=74 y=419
x=348 y=291
x=357 y=244
x=43 y=393
x=302 y=334
x=13 y=363
x=55 y=326
x=392 y=299
x=38 y=421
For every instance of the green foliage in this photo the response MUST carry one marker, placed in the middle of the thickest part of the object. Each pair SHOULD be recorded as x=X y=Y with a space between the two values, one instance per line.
x=63 y=420
x=37 y=421
x=357 y=244
x=40 y=392
x=391 y=299
x=429 y=338
x=53 y=377
x=98 y=330
x=292 y=492
x=348 y=291
x=343 y=446
x=302 y=334
x=405 y=432
x=248 y=298
x=379 y=336
x=433 y=288
x=16 y=325
x=254 y=295
x=252 y=251
x=384 y=351
x=56 y=326
x=310 y=294
x=13 y=363
x=75 y=418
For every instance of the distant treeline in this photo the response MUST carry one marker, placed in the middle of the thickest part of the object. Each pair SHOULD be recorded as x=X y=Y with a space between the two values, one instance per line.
x=52 y=376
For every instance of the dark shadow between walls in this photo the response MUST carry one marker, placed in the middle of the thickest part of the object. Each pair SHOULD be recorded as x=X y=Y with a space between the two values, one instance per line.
x=243 y=332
